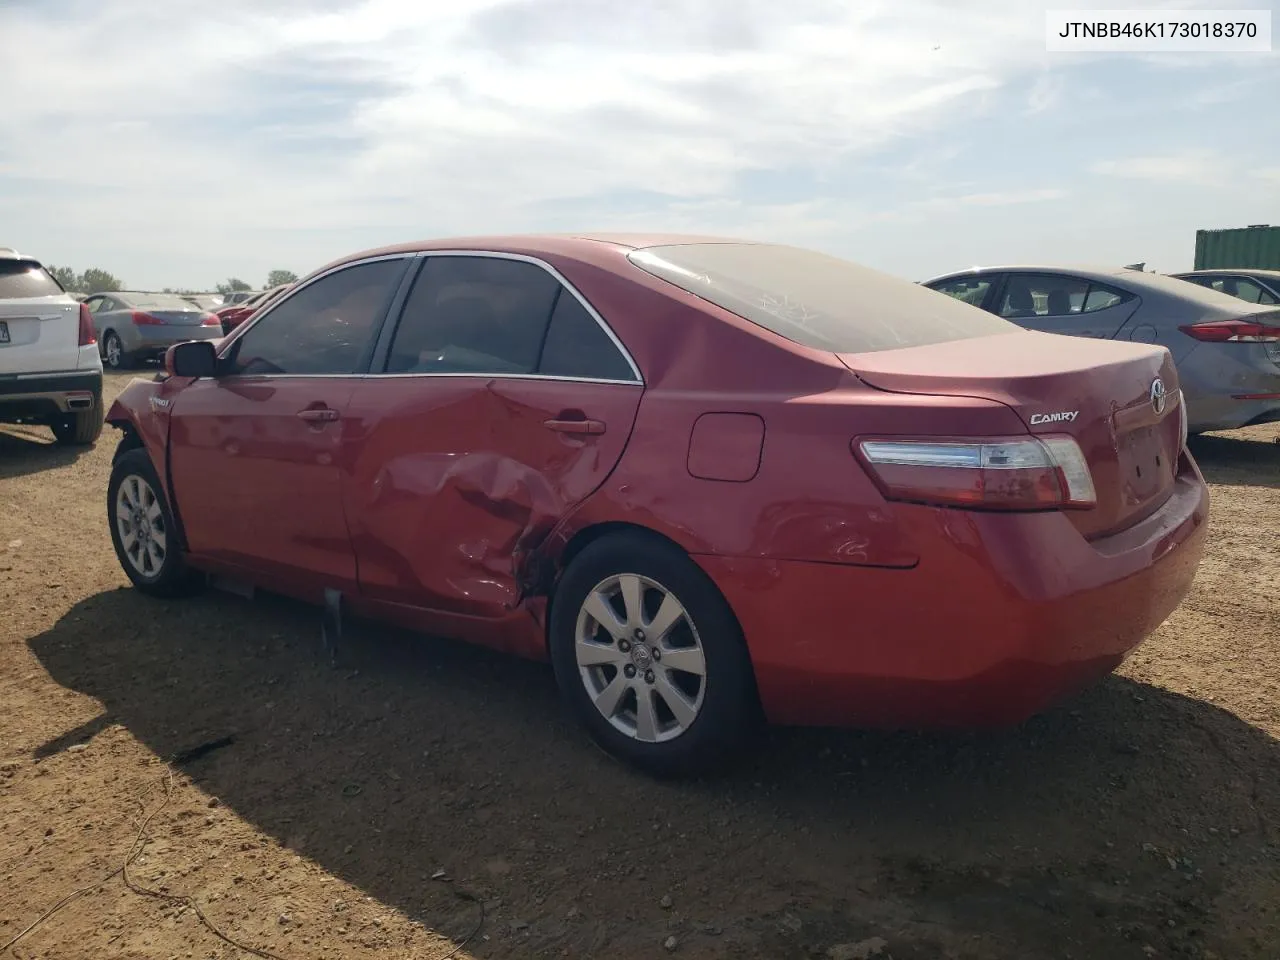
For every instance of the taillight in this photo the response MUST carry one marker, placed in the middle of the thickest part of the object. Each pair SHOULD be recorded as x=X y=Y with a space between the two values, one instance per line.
x=1232 y=331
x=210 y=320
x=146 y=320
x=87 y=336
x=1024 y=473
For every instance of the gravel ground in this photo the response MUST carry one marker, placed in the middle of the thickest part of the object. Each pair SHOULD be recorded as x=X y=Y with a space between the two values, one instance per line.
x=390 y=807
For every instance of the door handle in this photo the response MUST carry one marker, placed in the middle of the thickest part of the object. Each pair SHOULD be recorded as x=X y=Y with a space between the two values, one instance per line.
x=322 y=415
x=579 y=426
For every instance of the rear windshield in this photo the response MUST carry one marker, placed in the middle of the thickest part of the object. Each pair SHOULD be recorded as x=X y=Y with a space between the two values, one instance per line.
x=20 y=279
x=816 y=300
x=160 y=301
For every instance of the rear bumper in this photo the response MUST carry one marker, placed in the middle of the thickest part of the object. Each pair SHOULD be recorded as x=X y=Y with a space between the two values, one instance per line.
x=47 y=395
x=1215 y=376
x=153 y=341
x=1003 y=616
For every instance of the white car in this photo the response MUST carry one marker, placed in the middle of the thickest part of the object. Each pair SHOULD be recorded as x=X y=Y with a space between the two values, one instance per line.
x=50 y=370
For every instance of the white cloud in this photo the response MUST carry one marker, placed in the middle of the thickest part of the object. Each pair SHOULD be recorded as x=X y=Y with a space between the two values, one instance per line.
x=1192 y=167
x=183 y=141
x=480 y=114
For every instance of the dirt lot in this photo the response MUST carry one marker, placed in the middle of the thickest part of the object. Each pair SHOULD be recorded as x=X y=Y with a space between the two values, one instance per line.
x=1138 y=821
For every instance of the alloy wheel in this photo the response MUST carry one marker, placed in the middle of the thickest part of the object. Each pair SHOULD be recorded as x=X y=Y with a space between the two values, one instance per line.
x=114 y=350
x=140 y=523
x=640 y=658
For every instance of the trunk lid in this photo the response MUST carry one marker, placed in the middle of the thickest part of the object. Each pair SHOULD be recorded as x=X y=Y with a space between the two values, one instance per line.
x=178 y=318
x=1098 y=392
x=39 y=335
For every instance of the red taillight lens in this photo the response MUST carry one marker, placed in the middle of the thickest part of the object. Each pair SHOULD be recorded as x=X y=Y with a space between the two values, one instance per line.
x=146 y=320
x=1023 y=473
x=210 y=320
x=1232 y=331
x=87 y=336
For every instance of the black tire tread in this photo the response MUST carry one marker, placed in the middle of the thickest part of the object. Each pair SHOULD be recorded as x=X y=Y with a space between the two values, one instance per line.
x=730 y=712
x=176 y=579
x=81 y=428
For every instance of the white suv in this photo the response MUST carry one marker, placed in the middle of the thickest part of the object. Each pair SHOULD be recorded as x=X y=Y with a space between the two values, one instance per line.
x=50 y=370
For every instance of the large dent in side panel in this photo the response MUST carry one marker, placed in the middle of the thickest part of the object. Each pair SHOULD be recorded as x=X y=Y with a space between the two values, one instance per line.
x=454 y=485
x=413 y=491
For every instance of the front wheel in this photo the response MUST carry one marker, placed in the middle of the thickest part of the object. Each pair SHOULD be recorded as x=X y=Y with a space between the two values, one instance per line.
x=650 y=658
x=143 y=531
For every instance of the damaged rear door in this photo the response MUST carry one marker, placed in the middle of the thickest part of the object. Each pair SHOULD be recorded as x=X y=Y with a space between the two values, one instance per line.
x=498 y=402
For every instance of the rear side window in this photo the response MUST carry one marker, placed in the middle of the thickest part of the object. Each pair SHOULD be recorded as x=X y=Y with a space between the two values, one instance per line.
x=576 y=346
x=474 y=315
x=816 y=300
x=21 y=279
x=1050 y=295
x=970 y=290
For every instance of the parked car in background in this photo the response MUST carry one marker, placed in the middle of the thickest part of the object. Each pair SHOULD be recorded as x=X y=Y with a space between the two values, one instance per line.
x=50 y=372
x=232 y=316
x=205 y=301
x=1252 y=286
x=233 y=297
x=135 y=326
x=1227 y=351
x=702 y=478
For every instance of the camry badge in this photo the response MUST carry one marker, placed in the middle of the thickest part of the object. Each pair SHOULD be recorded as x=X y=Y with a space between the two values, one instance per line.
x=1066 y=416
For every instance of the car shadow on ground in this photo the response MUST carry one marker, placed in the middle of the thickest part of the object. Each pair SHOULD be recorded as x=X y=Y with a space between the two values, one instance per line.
x=1236 y=460
x=26 y=449
x=1125 y=818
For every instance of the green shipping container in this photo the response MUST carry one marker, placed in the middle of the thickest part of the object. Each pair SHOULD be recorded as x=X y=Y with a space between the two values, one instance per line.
x=1256 y=247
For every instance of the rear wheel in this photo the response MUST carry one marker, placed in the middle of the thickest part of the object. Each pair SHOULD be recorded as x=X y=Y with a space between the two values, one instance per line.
x=79 y=428
x=113 y=354
x=650 y=658
x=143 y=531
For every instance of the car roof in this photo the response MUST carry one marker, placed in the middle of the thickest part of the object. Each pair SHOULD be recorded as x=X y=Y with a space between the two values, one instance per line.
x=1241 y=271
x=1090 y=271
x=589 y=246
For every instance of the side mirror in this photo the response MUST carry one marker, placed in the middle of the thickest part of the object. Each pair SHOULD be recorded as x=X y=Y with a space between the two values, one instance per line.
x=194 y=358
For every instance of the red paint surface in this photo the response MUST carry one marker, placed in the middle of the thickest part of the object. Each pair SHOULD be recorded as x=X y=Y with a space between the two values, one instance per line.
x=445 y=503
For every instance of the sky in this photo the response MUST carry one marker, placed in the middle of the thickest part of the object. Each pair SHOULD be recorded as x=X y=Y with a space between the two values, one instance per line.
x=180 y=143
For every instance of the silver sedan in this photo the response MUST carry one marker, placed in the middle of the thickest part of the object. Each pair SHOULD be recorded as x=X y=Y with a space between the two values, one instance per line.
x=1227 y=351
x=133 y=326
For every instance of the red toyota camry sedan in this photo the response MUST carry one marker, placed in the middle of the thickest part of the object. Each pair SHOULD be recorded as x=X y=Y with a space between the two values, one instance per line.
x=711 y=481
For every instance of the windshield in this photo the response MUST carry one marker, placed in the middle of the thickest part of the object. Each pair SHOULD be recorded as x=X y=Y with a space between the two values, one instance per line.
x=817 y=300
x=20 y=279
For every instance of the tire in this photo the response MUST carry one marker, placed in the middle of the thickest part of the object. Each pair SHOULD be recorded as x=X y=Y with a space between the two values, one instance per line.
x=153 y=558
x=80 y=428
x=113 y=352
x=720 y=712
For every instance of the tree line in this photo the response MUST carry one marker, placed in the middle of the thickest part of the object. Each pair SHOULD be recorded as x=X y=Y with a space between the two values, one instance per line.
x=95 y=280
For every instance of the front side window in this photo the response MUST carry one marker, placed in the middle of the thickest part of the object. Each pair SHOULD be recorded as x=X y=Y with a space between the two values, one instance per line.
x=816 y=300
x=327 y=327
x=1241 y=288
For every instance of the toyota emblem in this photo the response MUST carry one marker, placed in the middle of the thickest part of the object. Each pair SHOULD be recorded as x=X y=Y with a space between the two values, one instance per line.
x=1157 y=395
